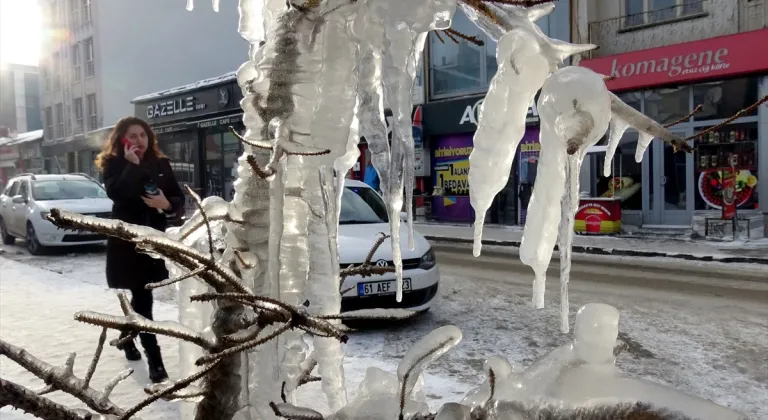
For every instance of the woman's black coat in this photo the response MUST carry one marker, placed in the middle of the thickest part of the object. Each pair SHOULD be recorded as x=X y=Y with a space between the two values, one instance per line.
x=124 y=181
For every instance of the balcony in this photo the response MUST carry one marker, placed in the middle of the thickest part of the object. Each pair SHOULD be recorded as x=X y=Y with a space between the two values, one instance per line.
x=686 y=22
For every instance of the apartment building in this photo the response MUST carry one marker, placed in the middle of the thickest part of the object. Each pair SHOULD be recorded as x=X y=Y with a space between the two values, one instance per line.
x=668 y=57
x=19 y=98
x=103 y=53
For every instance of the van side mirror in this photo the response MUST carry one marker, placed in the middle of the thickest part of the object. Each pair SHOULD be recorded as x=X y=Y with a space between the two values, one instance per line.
x=17 y=199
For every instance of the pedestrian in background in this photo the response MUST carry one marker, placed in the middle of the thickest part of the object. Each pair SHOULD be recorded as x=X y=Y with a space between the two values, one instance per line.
x=139 y=180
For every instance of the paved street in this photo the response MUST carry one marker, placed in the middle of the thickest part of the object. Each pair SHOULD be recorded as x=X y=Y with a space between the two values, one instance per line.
x=700 y=327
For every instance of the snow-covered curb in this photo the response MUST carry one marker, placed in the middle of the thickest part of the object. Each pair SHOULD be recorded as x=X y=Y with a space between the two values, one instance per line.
x=614 y=251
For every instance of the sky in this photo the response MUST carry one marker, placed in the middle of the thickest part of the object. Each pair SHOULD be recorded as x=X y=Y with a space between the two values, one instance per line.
x=21 y=32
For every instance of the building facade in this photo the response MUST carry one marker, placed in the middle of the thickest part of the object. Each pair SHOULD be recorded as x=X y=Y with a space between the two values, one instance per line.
x=667 y=58
x=19 y=98
x=458 y=76
x=105 y=53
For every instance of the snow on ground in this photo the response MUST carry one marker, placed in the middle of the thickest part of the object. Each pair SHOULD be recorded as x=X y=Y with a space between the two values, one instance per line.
x=671 y=246
x=702 y=343
x=37 y=314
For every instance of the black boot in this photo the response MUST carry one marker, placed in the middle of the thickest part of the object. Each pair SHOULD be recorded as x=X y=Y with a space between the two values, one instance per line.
x=157 y=371
x=131 y=352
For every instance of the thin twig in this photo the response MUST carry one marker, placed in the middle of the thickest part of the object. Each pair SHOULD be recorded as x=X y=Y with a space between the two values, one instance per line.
x=199 y=205
x=750 y=108
x=242 y=347
x=168 y=282
x=683 y=119
x=183 y=383
x=439 y=38
x=261 y=173
x=96 y=356
x=473 y=39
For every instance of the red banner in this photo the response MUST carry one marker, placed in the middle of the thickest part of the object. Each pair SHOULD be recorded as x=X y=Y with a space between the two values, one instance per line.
x=724 y=56
x=729 y=194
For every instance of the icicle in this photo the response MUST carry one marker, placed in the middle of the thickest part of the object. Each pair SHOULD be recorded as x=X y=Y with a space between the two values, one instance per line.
x=215 y=5
x=190 y=5
x=406 y=31
x=521 y=71
x=574 y=110
x=616 y=131
x=568 y=207
x=642 y=144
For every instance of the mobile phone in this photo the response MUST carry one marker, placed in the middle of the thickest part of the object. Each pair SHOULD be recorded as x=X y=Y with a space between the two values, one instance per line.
x=126 y=142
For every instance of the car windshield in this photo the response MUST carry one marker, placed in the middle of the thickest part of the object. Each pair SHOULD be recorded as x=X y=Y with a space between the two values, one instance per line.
x=360 y=205
x=66 y=190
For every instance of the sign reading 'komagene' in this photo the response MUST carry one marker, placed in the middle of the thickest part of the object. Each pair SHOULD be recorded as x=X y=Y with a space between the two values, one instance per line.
x=724 y=56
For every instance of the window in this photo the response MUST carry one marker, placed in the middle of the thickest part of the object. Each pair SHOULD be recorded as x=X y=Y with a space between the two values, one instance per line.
x=56 y=66
x=466 y=68
x=723 y=98
x=90 y=70
x=45 y=71
x=643 y=12
x=49 y=121
x=93 y=120
x=66 y=190
x=12 y=189
x=77 y=104
x=74 y=13
x=463 y=68
x=32 y=100
x=24 y=189
x=77 y=63
x=59 y=121
x=87 y=11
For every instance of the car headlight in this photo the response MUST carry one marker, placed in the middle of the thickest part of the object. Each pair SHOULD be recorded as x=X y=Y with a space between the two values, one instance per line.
x=428 y=260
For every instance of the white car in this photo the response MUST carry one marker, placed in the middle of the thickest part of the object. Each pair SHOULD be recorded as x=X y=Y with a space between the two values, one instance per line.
x=363 y=217
x=28 y=198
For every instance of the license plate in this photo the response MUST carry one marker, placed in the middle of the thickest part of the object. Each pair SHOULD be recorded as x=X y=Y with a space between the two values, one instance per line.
x=385 y=287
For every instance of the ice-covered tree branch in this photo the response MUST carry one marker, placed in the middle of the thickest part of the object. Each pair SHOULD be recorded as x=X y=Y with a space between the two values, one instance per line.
x=62 y=378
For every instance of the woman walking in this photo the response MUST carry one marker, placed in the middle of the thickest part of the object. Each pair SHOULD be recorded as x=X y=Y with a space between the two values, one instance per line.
x=144 y=191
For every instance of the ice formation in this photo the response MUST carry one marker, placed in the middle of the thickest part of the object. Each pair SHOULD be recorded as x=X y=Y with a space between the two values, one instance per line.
x=316 y=79
x=405 y=31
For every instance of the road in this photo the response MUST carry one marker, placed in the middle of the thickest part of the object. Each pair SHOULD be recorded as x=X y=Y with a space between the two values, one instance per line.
x=702 y=328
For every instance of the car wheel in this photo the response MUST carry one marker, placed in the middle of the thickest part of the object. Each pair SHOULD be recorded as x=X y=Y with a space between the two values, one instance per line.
x=7 y=239
x=33 y=245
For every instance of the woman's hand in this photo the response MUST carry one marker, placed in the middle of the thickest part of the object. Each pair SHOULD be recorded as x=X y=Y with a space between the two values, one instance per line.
x=130 y=154
x=157 y=201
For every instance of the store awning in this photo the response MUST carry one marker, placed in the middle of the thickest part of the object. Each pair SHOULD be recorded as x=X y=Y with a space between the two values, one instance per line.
x=7 y=164
x=72 y=145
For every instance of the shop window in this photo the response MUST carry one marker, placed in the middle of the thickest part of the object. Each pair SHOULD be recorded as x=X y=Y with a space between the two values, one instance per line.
x=667 y=105
x=626 y=177
x=231 y=149
x=713 y=152
x=724 y=98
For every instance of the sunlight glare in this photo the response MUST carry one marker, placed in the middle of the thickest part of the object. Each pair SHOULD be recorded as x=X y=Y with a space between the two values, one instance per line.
x=21 y=32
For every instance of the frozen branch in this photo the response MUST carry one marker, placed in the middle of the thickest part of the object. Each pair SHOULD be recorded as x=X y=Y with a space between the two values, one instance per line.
x=19 y=397
x=96 y=356
x=366 y=269
x=135 y=322
x=292 y=412
x=641 y=122
x=199 y=205
x=62 y=378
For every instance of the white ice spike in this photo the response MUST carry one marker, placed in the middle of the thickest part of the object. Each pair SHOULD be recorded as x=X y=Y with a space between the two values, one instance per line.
x=405 y=33
x=642 y=145
x=574 y=110
x=522 y=69
x=190 y=5
x=616 y=131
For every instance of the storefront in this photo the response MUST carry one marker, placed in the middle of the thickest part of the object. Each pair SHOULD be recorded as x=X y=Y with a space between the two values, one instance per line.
x=450 y=127
x=723 y=75
x=192 y=126
x=21 y=153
